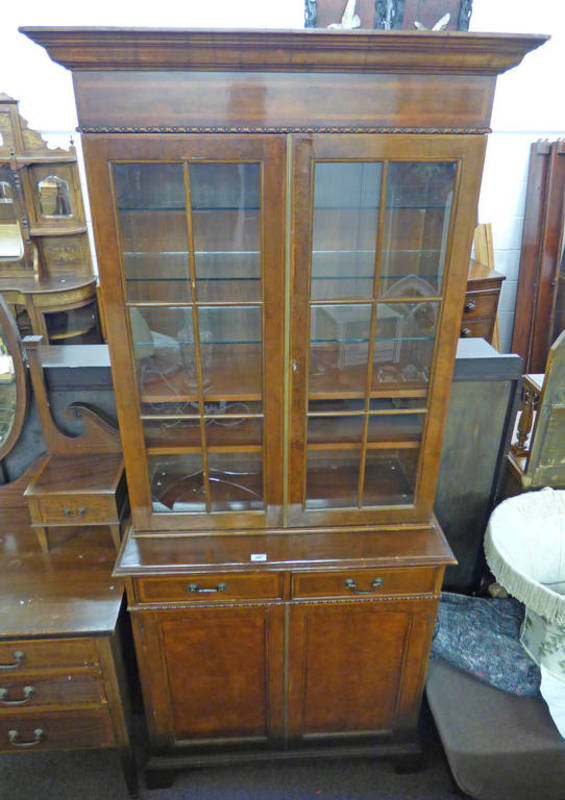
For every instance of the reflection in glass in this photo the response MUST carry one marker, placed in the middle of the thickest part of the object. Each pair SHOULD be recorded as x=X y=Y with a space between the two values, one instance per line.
x=164 y=351
x=219 y=432
x=231 y=351
x=336 y=430
x=345 y=224
x=332 y=478
x=419 y=197
x=404 y=342
x=54 y=197
x=390 y=477
x=406 y=428
x=11 y=242
x=339 y=347
x=226 y=222
x=236 y=481
x=153 y=227
x=8 y=391
x=177 y=482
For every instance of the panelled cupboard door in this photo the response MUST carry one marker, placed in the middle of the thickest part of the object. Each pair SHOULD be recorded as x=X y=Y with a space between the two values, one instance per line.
x=356 y=668
x=381 y=244
x=190 y=239
x=212 y=674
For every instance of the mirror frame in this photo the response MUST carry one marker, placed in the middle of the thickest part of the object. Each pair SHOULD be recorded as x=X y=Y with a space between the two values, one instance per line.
x=13 y=342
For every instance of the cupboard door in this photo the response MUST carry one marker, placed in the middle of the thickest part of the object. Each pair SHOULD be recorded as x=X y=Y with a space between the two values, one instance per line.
x=195 y=322
x=357 y=668
x=380 y=258
x=212 y=675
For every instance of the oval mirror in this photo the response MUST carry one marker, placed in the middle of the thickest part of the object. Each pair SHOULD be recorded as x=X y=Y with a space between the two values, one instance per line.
x=13 y=382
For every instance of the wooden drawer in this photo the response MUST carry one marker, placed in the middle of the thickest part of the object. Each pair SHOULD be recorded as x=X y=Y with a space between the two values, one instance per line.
x=478 y=328
x=74 y=509
x=63 y=689
x=26 y=654
x=363 y=583
x=217 y=588
x=55 y=730
x=480 y=304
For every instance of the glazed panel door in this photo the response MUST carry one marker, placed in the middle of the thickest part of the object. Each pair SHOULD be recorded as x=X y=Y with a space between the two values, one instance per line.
x=194 y=322
x=381 y=253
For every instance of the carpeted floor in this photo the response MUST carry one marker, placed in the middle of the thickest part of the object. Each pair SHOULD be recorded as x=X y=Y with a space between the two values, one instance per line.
x=96 y=775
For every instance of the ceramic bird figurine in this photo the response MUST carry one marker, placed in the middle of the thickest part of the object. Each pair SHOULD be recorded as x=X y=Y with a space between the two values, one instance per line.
x=440 y=25
x=350 y=18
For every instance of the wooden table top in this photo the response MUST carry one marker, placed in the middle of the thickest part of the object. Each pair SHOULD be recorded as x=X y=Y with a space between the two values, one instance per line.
x=69 y=591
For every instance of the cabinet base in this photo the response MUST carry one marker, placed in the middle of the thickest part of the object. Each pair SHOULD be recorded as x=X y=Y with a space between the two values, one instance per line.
x=160 y=768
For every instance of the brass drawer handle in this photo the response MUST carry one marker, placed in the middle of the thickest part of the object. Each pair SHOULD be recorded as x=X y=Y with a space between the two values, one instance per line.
x=28 y=692
x=196 y=589
x=470 y=306
x=466 y=332
x=18 y=656
x=68 y=513
x=14 y=738
x=352 y=586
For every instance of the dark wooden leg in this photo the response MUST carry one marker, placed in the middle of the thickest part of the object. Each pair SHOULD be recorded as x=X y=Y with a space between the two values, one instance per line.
x=159 y=778
x=129 y=768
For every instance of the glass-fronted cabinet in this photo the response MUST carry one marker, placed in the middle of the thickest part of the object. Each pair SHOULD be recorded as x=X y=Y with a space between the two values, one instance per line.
x=281 y=384
x=199 y=240
x=369 y=286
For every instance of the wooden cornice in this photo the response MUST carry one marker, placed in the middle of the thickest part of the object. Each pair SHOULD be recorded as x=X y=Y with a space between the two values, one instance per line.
x=313 y=50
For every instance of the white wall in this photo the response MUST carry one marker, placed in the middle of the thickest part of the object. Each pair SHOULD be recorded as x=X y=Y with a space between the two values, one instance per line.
x=529 y=101
x=529 y=105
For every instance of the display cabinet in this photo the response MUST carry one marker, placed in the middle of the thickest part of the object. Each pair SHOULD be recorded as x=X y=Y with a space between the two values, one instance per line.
x=46 y=274
x=283 y=223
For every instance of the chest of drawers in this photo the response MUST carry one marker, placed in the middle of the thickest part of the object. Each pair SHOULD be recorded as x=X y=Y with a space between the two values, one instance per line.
x=62 y=675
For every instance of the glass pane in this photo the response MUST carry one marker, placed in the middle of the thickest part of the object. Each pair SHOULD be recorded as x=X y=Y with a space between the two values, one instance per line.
x=231 y=352
x=172 y=432
x=236 y=481
x=419 y=197
x=332 y=478
x=336 y=405
x=339 y=348
x=396 y=403
x=226 y=218
x=54 y=197
x=177 y=482
x=153 y=227
x=406 y=428
x=335 y=429
x=165 y=356
x=346 y=212
x=390 y=477
x=224 y=408
x=404 y=342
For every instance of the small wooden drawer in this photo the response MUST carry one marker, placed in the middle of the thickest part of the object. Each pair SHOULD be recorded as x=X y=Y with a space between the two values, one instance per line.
x=17 y=656
x=480 y=304
x=55 y=730
x=216 y=588
x=363 y=583
x=477 y=328
x=64 y=689
x=74 y=509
